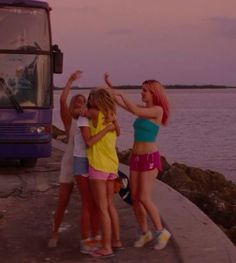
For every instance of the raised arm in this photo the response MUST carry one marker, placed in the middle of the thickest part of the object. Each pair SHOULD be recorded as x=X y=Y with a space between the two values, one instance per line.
x=107 y=80
x=121 y=103
x=113 y=91
x=64 y=107
x=150 y=112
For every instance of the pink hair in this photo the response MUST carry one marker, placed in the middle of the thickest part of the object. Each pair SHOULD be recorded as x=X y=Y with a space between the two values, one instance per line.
x=159 y=98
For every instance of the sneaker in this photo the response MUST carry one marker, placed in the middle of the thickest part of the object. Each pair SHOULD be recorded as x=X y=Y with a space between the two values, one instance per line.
x=162 y=239
x=97 y=241
x=143 y=239
x=87 y=246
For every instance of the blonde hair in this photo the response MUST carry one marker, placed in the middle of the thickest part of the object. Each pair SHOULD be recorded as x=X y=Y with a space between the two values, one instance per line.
x=159 y=97
x=101 y=99
x=72 y=103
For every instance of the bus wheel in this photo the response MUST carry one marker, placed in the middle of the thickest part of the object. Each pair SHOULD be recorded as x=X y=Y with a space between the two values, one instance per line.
x=29 y=162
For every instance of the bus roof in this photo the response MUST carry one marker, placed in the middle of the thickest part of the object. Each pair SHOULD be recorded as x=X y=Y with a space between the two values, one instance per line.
x=25 y=3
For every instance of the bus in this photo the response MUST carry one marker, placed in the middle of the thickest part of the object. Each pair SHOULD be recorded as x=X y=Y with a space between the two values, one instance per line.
x=28 y=61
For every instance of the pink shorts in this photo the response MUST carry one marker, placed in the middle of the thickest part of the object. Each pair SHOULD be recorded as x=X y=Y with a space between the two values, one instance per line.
x=145 y=162
x=99 y=175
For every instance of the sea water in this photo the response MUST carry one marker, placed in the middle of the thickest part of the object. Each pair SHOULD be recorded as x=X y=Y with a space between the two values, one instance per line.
x=201 y=131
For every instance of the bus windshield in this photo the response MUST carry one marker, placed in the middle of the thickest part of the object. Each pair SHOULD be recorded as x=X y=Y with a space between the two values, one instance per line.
x=25 y=69
x=24 y=27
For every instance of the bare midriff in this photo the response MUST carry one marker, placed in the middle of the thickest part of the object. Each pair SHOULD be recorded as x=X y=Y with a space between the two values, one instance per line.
x=144 y=147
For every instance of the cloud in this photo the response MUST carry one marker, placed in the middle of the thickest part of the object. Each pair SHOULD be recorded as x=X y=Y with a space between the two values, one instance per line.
x=224 y=26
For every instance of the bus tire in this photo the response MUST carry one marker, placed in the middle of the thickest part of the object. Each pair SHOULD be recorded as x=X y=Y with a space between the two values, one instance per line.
x=28 y=162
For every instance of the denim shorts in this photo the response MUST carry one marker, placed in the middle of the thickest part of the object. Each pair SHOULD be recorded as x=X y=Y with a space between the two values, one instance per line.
x=100 y=175
x=145 y=162
x=80 y=166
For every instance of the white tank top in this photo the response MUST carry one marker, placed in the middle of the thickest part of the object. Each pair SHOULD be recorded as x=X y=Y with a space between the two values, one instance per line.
x=79 y=144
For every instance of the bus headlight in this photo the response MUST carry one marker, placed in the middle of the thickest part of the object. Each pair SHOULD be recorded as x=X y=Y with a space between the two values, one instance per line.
x=37 y=129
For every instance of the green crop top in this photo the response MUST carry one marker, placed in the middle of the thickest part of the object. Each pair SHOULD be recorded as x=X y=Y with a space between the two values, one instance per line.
x=145 y=130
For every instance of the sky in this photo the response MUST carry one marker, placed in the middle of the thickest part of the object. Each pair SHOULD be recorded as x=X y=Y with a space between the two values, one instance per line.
x=174 y=41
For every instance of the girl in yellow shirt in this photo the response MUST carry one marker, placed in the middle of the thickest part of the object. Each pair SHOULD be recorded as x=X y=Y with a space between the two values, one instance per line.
x=103 y=168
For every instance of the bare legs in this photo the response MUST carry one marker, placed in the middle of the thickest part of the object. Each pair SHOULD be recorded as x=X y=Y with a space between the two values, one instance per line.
x=65 y=190
x=103 y=192
x=141 y=190
x=89 y=223
x=138 y=208
x=115 y=222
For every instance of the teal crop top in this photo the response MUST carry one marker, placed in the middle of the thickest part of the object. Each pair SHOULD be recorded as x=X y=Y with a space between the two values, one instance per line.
x=145 y=130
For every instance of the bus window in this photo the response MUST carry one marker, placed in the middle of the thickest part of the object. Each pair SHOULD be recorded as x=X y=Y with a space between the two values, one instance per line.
x=29 y=28
x=28 y=78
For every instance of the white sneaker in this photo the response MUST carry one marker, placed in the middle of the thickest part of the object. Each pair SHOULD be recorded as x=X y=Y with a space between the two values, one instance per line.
x=143 y=239
x=97 y=241
x=87 y=246
x=162 y=239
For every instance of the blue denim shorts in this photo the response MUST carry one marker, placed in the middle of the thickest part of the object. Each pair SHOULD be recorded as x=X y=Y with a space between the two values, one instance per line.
x=80 y=166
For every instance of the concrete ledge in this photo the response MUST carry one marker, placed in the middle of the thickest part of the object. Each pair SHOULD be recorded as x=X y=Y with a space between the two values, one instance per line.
x=198 y=238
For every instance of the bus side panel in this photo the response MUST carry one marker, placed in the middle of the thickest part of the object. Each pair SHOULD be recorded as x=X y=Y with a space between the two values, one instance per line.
x=26 y=134
x=19 y=151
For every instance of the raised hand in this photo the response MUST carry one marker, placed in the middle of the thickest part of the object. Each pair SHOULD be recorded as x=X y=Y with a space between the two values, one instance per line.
x=106 y=76
x=76 y=75
x=107 y=80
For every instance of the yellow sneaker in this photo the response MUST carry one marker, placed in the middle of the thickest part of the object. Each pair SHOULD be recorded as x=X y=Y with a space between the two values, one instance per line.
x=143 y=239
x=162 y=239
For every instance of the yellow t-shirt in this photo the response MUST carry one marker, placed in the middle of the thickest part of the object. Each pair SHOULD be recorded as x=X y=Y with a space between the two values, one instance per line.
x=102 y=155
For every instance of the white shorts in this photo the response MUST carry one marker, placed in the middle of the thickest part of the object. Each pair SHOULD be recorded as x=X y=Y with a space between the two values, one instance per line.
x=66 y=173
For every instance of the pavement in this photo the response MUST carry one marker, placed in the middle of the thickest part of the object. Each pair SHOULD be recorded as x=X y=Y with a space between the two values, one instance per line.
x=195 y=238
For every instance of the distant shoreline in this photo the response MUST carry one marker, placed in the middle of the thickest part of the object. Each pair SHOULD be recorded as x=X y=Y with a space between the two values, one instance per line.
x=166 y=86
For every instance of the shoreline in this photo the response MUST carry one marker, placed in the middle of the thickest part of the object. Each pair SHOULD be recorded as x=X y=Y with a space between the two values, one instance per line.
x=173 y=87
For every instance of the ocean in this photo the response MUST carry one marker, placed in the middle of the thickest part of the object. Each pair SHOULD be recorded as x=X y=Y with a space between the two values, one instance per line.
x=201 y=131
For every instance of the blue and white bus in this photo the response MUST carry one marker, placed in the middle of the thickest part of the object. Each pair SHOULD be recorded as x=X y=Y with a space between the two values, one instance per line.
x=27 y=63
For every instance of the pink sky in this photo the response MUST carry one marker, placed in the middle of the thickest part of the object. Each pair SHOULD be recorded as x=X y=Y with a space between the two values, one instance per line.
x=176 y=42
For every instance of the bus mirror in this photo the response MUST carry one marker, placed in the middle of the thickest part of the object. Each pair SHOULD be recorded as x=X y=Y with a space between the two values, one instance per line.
x=57 y=60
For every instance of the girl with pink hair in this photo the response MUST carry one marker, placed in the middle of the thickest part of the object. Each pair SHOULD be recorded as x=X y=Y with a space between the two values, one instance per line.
x=145 y=162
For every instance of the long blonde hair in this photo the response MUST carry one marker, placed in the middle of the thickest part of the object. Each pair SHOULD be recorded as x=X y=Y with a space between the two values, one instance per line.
x=72 y=104
x=101 y=99
x=159 y=97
